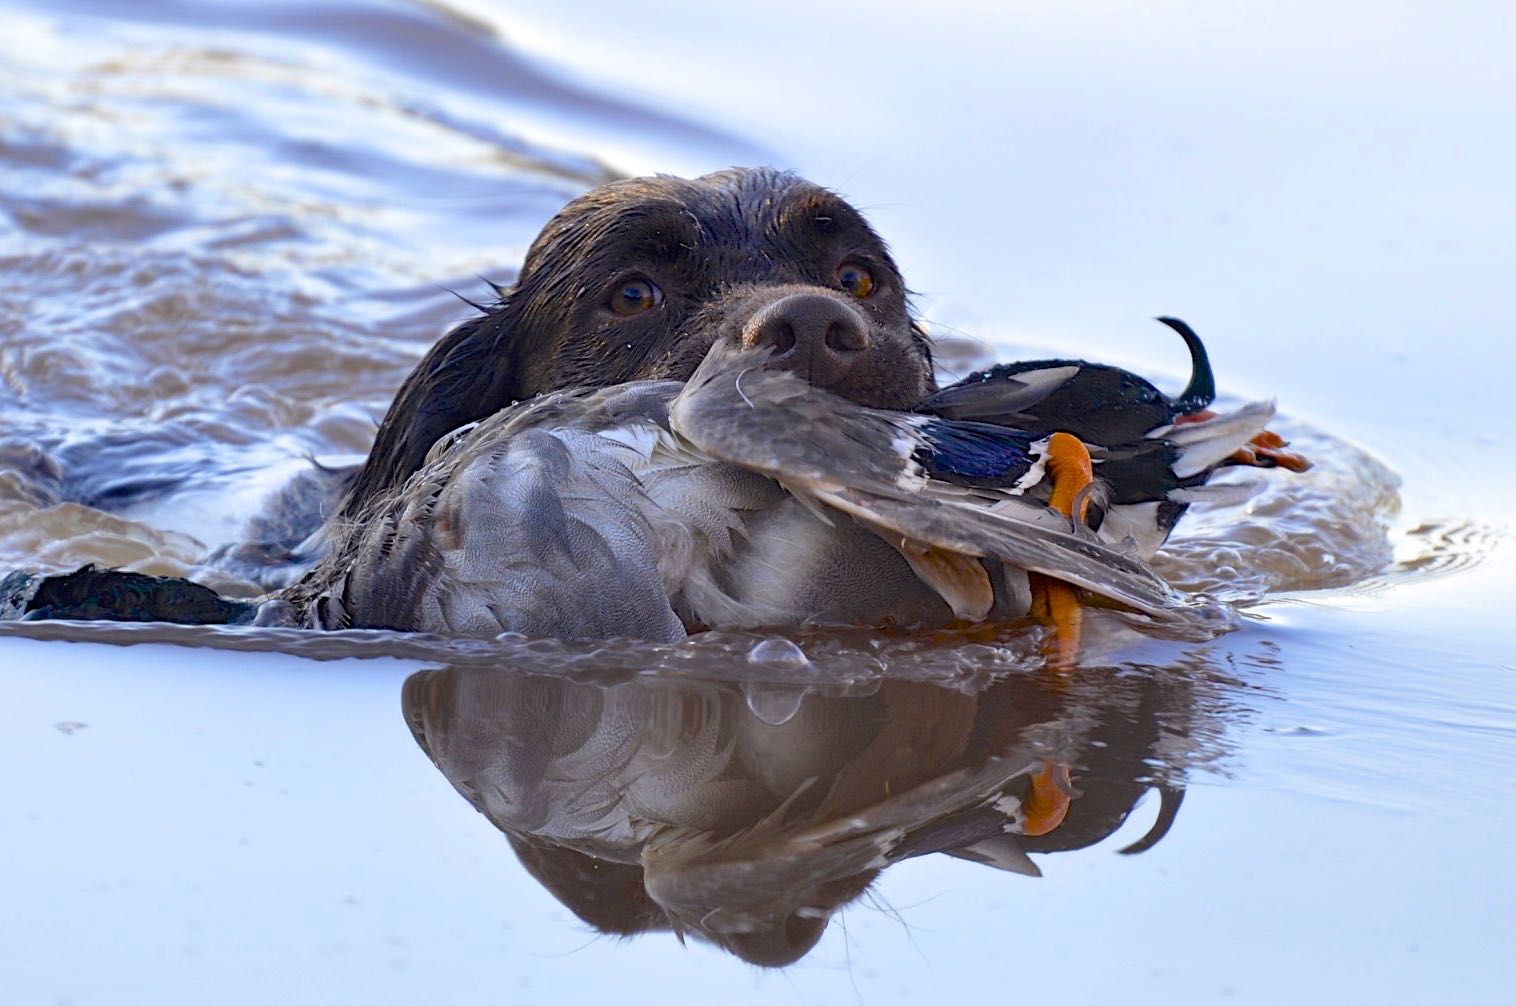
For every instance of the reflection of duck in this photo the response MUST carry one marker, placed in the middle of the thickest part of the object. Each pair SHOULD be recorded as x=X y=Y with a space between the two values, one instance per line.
x=747 y=814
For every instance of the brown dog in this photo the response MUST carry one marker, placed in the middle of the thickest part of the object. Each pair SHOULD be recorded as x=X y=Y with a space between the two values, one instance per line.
x=638 y=278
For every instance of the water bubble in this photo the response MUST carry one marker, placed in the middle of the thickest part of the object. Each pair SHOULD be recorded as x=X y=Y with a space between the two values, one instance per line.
x=779 y=654
x=774 y=704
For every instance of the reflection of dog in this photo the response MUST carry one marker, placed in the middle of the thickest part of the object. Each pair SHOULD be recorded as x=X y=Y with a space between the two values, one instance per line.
x=673 y=805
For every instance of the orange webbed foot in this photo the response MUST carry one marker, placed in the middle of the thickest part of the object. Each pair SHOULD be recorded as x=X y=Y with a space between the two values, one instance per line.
x=1266 y=450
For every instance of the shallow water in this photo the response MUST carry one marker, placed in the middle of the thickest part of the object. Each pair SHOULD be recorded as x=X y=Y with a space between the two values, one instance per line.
x=227 y=231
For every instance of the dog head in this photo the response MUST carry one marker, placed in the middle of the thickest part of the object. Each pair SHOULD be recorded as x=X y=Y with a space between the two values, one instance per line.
x=639 y=278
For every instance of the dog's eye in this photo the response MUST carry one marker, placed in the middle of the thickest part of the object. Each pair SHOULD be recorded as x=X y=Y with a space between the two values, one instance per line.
x=855 y=279
x=635 y=296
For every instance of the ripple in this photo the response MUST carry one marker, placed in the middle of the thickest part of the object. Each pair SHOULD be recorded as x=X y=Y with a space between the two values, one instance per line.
x=227 y=248
x=1437 y=548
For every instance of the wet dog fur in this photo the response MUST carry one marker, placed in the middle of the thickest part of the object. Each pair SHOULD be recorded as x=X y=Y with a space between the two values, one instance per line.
x=701 y=259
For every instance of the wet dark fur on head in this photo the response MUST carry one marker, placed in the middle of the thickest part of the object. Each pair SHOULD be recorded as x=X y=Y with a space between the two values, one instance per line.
x=720 y=248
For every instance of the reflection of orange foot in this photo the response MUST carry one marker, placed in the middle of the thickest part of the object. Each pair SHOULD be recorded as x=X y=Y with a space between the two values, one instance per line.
x=1048 y=802
x=1054 y=603
x=1267 y=450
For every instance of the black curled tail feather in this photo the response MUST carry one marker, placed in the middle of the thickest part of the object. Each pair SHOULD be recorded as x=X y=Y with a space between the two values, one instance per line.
x=1201 y=391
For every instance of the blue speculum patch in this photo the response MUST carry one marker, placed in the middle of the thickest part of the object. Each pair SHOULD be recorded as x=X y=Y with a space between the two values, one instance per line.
x=964 y=450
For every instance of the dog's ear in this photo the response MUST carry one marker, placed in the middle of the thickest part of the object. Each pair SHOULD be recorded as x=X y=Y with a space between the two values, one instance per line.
x=469 y=374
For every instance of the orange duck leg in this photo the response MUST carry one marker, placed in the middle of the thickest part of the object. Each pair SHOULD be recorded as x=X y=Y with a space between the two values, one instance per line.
x=1055 y=603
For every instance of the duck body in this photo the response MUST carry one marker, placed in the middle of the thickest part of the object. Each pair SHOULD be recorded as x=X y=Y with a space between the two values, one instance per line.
x=582 y=516
x=743 y=498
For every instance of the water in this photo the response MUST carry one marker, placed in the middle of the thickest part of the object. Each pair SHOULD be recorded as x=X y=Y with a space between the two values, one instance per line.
x=229 y=229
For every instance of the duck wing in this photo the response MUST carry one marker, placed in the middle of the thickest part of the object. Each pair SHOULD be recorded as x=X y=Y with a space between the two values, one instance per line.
x=884 y=468
x=530 y=521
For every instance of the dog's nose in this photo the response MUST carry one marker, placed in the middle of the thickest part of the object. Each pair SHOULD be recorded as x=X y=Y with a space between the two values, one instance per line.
x=815 y=335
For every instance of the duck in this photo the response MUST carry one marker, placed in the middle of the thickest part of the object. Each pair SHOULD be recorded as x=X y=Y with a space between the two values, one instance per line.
x=744 y=498
x=1155 y=453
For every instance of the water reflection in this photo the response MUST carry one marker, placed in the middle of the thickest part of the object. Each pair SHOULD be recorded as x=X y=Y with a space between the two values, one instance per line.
x=746 y=812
